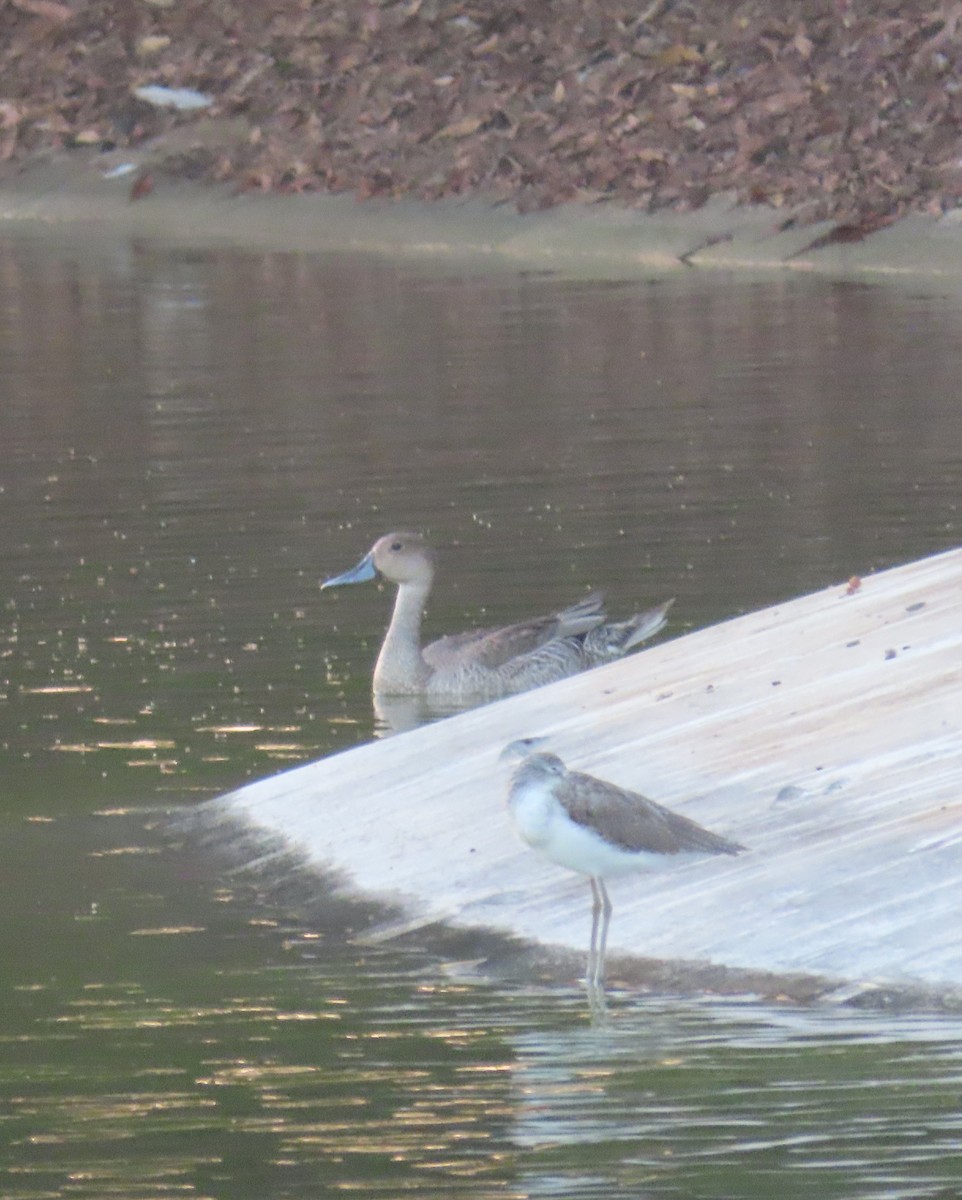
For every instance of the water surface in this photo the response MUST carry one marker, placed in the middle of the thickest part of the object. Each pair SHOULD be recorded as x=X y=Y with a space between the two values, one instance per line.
x=191 y=439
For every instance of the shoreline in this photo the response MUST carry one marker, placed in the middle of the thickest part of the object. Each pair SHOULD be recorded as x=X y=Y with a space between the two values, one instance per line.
x=92 y=191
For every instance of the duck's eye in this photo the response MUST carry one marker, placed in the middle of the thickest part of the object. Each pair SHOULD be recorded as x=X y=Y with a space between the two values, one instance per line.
x=397 y=545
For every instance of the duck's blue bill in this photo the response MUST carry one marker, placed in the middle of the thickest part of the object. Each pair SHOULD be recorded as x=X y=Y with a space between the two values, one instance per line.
x=364 y=571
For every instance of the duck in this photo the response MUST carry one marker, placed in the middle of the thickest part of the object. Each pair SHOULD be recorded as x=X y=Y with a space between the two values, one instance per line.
x=484 y=663
x=598 y=829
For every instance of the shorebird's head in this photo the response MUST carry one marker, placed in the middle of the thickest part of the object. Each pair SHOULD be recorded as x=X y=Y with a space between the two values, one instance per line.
x=520 y=748
x=399 y=557
x=540 y=768
x=535 y=765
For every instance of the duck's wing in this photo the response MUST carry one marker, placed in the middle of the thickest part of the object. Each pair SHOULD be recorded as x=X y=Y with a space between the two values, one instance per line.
x=634 y=822
x=493 y=648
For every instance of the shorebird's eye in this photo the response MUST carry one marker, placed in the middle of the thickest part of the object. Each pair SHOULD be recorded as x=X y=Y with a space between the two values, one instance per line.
x=397 y=545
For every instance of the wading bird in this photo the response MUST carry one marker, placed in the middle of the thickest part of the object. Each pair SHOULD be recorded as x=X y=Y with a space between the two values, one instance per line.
x=598 y=829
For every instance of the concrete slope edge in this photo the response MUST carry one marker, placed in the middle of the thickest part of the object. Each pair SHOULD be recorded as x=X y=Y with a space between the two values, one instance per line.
x=81 y=189
x=824 y=733
x=286 y=879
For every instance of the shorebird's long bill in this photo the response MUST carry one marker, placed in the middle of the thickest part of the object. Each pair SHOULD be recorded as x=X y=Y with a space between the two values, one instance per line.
x=364 y=571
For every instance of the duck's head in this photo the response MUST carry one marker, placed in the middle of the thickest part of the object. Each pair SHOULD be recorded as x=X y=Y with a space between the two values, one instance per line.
x=399 y=557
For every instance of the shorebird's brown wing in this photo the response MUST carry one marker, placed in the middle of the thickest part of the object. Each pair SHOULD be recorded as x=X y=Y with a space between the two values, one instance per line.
x=493 y=648
x=633 y=822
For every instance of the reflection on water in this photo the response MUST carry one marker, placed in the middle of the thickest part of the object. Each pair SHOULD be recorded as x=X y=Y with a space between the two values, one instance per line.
x=688 y=1100
x=191 y=440
x=195 y=1039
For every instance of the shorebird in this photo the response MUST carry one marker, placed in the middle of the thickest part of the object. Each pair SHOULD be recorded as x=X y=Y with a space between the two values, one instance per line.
x=484 y=663
x=597 y=829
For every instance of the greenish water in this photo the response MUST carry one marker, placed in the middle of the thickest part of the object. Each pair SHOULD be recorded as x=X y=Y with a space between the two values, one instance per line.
x=190 y=440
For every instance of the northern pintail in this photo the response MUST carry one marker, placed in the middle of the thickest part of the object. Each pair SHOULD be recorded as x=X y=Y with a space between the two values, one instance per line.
x=484 y=663
x=598 y=829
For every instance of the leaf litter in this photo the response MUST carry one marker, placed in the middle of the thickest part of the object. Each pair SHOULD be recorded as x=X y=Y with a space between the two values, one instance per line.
x=823 y=109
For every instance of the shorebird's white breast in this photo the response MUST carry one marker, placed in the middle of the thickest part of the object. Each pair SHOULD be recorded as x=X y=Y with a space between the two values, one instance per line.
x=543 y=823
x=531 y=807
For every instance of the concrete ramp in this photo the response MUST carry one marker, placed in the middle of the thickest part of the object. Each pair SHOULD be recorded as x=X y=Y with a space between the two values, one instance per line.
x=825 y=734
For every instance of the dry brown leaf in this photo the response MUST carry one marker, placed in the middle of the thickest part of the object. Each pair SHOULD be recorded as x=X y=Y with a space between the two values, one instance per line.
x=9 y=121
x=459 y=129
x=142 y=186
x=678 y=55
x=650 y=155
x=153 y=44
x=48 y=9
x=803 y=45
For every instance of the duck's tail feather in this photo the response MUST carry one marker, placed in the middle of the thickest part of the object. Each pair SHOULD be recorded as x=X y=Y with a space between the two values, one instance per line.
x=647 y=624
x=582 y=617
x=615 y=638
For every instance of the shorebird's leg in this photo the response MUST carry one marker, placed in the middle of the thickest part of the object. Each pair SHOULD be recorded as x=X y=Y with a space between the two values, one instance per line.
x=603 y=936
x=596 y=907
